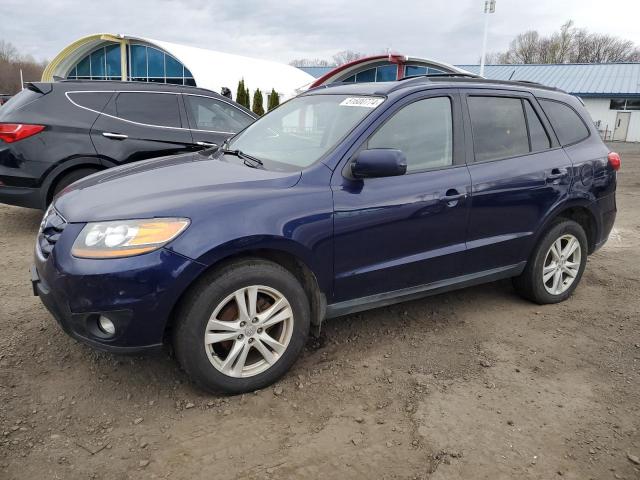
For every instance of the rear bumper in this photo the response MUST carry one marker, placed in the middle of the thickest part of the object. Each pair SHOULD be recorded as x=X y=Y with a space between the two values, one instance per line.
x=608 y=220
x=21 y=197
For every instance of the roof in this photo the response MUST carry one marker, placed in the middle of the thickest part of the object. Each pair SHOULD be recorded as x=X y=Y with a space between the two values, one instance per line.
x=211 y=69
x=354 y=66
x=585 y=80
x=317 y=72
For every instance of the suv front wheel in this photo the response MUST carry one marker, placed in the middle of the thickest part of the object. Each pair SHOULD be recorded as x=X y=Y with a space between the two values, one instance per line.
x=556 y=265
x=242 y=327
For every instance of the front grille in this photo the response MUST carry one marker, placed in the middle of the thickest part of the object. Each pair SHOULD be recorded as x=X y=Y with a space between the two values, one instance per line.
x=50 y=230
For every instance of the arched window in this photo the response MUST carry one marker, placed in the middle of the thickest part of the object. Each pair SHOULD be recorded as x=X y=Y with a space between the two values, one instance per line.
x=101 y=64
x=410 y=70
x=145 y=64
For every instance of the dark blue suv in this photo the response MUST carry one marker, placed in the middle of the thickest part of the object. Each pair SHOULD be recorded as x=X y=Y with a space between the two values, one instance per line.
x=345 y=198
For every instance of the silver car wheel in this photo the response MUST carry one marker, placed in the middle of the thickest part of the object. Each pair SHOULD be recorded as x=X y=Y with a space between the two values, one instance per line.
x=249 y=331
x=561 y=264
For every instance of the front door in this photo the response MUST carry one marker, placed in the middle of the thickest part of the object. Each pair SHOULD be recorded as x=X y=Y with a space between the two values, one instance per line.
x=394 y=233
x=622 y=126
x=213 y=120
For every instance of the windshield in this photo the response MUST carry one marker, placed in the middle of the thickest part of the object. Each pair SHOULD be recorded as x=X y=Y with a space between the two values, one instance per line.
x=302 y=130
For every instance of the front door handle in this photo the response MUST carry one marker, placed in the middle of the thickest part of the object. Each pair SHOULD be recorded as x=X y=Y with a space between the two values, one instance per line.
x=115 y=136
x=207 y=144
x=452 y=197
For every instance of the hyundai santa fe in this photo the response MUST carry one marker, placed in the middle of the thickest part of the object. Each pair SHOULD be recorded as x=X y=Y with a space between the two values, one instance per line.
x=343 y=199
x=52 y=134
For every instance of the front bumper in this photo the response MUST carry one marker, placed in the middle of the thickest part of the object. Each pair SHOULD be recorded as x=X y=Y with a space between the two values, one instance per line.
x=137 y=294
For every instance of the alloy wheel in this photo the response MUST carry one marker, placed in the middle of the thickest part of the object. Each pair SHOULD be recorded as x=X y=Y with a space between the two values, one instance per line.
x=561 y=264
x=249 y=331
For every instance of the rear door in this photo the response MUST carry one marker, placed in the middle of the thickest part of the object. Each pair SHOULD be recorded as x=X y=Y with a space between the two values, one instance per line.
x=518 y=173
x=140 y=125
x=213 y=120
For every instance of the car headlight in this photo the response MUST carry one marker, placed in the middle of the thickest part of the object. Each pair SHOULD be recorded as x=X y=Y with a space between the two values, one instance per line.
x=126 y=238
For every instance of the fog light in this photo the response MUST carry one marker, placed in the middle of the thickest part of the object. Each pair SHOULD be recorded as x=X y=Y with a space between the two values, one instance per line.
x=106 y=326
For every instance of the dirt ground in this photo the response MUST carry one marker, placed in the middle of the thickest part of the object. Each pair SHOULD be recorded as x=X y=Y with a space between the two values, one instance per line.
x=472 y=384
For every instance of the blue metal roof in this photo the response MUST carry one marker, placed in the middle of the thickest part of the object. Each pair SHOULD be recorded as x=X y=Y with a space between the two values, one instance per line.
x=317 y=72
x=585 y=80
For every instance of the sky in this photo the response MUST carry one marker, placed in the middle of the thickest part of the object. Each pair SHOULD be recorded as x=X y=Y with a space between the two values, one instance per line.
x=283 y=30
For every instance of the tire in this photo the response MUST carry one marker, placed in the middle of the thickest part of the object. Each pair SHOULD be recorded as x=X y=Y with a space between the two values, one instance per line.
x=210 y=365
x=531 y=283
x=68 y=179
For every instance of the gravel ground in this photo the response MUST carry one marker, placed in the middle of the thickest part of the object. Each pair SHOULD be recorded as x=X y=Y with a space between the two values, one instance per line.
x=472 y=384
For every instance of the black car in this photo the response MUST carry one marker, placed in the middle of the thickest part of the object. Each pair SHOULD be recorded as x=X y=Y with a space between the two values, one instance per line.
x=4 y=98
x=52 y=134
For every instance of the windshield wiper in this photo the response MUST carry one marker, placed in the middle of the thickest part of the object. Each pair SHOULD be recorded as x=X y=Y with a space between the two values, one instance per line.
x=249 y=160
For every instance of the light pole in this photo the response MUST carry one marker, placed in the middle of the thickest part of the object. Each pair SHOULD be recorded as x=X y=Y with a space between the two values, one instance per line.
x=489 y=8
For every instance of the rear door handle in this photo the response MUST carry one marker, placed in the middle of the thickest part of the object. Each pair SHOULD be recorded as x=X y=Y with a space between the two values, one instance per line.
x=115 y=136
x=452 y=197
x=207 y=144
x=557 y=173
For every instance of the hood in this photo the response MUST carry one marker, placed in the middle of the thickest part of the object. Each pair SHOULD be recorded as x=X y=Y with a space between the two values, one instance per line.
x=168 y=186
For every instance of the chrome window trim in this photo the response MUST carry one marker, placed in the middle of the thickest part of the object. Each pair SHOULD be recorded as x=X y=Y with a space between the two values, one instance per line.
x=66 y=94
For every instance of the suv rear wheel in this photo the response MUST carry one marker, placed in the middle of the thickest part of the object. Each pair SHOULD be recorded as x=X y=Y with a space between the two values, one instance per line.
x=68 y=179
x=241 y=328
x=556 y=265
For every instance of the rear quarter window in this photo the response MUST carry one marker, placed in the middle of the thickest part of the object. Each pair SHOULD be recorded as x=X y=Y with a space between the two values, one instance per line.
x=567 y=124
x=20 y=100
x=91 y=100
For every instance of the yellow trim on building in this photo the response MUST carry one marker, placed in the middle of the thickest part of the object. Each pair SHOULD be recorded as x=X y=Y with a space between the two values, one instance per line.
x=64 y=55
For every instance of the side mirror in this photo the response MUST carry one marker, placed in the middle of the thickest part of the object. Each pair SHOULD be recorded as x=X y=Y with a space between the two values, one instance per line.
x=379 y=162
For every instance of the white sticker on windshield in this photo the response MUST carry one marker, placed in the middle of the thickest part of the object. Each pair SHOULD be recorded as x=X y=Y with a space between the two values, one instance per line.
x=366 y=102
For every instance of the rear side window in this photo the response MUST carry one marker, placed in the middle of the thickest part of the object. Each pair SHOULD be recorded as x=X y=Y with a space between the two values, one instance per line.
x=149 y=108
x=539 y=138
x=19 y=100
x=499 y=127
x=565 y=121
x=91 y=100
x=423 y=131
x=209 y=114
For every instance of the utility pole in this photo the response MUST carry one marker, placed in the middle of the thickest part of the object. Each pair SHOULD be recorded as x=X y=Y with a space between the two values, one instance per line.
x=489 y=8
x=21 y=81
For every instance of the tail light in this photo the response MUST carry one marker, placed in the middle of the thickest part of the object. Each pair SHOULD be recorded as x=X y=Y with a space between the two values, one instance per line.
x=12 y=132
x=614 y=160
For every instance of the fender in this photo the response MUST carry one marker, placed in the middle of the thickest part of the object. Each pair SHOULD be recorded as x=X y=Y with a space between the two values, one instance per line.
x=251 y=244
x=61 y=168
x=576 y=199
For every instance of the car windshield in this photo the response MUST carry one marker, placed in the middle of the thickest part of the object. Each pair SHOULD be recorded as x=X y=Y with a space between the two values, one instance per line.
x=302 y=130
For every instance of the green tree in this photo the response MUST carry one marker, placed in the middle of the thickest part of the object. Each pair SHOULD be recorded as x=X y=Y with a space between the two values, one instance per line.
x=247 y=99
x=240 y=91
x=258 y=102
x=273 y=100
x=242 y=94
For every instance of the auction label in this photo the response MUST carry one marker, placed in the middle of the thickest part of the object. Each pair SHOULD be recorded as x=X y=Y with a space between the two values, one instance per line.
x=366 y=102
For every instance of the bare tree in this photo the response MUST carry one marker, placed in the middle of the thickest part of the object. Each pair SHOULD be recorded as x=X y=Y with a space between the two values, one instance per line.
x=568 y=45
x=310 y=62
x=347 y=56
x=11 y=62
x=339 y=58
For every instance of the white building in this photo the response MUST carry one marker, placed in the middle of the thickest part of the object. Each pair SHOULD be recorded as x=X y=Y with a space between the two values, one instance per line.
x=105 y=56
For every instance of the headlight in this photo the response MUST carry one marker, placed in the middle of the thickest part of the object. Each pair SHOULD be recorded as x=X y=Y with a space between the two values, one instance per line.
x=125 y=238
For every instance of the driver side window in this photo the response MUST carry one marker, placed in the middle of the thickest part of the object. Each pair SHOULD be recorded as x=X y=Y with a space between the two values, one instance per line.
x=423 y=131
